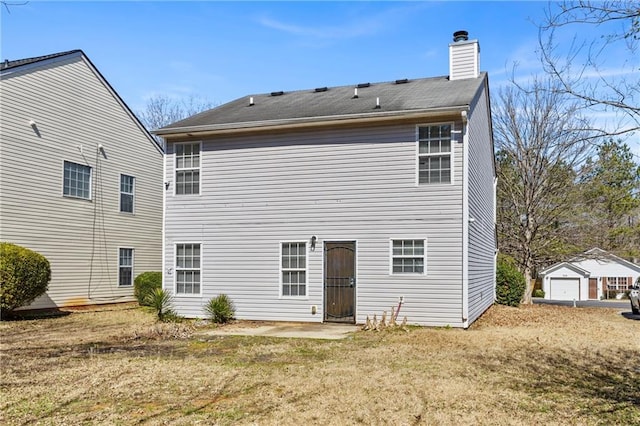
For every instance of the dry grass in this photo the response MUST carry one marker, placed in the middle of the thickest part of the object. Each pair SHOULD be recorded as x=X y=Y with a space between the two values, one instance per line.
x=531 y=365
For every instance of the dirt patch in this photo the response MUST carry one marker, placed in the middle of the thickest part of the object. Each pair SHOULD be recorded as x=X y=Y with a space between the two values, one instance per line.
x=283 y=329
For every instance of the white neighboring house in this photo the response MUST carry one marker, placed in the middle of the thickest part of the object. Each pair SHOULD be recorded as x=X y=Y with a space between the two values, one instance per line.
x=80 y=179
x=337 y=203
x=596 y=274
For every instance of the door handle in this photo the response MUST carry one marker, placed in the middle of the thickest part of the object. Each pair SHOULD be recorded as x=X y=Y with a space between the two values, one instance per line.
x=352 y=281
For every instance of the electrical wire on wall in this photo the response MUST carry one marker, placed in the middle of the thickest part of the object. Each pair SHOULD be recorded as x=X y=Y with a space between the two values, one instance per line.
x=99 y=243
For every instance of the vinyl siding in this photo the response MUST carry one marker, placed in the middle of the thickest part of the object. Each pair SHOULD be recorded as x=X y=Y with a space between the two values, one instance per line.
x=482 y=243
x=464 y=60
x=75 y=111
x=355 y=184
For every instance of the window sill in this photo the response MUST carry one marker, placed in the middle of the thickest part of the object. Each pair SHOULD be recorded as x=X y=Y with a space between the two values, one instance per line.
x=71 y=197
x=434 y=184
x=188 y=295
x=408 y=274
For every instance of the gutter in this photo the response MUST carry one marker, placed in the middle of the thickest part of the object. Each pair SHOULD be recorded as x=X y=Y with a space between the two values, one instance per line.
x=305 y=122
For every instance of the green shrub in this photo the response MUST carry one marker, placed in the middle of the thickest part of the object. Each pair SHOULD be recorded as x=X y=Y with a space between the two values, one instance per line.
x=24 y=275
x=538 y=292
x=145 y=283
x=161 y=302
x=510 y=283
x=220 y=309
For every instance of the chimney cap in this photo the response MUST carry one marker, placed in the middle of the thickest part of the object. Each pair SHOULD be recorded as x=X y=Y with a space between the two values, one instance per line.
x=461 y=35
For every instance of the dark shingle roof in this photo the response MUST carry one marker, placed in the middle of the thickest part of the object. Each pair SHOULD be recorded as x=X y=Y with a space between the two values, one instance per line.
x=7 y=64
x=412 y=95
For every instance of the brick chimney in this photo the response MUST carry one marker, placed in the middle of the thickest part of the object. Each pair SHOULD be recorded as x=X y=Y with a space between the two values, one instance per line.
x=464 y=57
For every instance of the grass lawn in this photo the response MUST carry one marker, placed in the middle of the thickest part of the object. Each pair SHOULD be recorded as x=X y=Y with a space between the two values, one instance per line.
x=530 y=365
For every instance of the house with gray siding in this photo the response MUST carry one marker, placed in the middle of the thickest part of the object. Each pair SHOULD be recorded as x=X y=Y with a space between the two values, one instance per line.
x=337 y=203
x=80 y=179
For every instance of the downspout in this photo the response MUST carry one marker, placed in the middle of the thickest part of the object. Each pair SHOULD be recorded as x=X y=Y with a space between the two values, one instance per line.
x=495 y=233
x=164 y=213
x=465 y=220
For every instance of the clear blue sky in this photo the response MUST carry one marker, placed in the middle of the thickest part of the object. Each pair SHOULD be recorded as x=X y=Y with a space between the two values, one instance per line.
x=224 y=50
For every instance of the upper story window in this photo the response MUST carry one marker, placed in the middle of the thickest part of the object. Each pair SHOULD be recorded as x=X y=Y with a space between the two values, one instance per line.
x=294 y=269
x=127 y=187
x=434 y=154
x=77 y=180
x=407 y=256
x=187 y=168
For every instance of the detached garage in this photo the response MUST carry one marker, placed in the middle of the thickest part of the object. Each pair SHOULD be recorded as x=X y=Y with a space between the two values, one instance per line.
x=564 y=288
x=565 y=281
x=595 y=274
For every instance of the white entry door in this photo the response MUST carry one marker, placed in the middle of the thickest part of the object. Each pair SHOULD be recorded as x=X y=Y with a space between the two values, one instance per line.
x=565 y=289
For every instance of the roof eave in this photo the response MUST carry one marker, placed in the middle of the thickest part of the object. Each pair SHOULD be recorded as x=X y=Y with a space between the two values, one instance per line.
x=305 y=122
x=566 y=264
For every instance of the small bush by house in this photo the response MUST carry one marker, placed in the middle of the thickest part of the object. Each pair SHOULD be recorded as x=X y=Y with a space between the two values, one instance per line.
x=161 y=302
x=24 y=275
x=510 y=283
x=538 y=292
x=144 y=284
x=220 y=309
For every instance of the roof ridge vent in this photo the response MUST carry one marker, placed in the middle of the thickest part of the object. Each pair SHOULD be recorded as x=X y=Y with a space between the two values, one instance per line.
x=280 y=93
x=362 y=85
x=321 y=89
x=402 y=81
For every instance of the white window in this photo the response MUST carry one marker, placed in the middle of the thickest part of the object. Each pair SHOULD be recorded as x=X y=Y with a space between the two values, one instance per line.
x=127 y=187
x=618 y=283
x=77 y=180
x=125 y=267
x=293 y=263
x=407 y=257
x=187 y=168
x=434 y=154
x=188 y=268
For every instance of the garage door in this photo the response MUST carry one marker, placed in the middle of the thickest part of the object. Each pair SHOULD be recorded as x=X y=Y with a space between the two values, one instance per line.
x=565 y=289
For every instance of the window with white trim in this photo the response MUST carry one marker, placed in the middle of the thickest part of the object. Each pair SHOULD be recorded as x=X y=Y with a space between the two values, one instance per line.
x=434 y=154
x=77 y=180
x=618 y=283
x=187 y=168
x=407 y=256
x=188 y=268
x=125 y=267
x=127 y=187
x=293 y=263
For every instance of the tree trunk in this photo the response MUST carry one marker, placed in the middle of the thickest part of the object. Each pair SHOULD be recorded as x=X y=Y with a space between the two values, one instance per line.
x=527 y=264
x=528 y=287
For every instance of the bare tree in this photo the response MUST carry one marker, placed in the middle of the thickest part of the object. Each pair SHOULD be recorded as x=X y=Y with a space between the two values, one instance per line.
x=6 y=4
x=162 y=110
x=541 y=141
x=579 y=66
